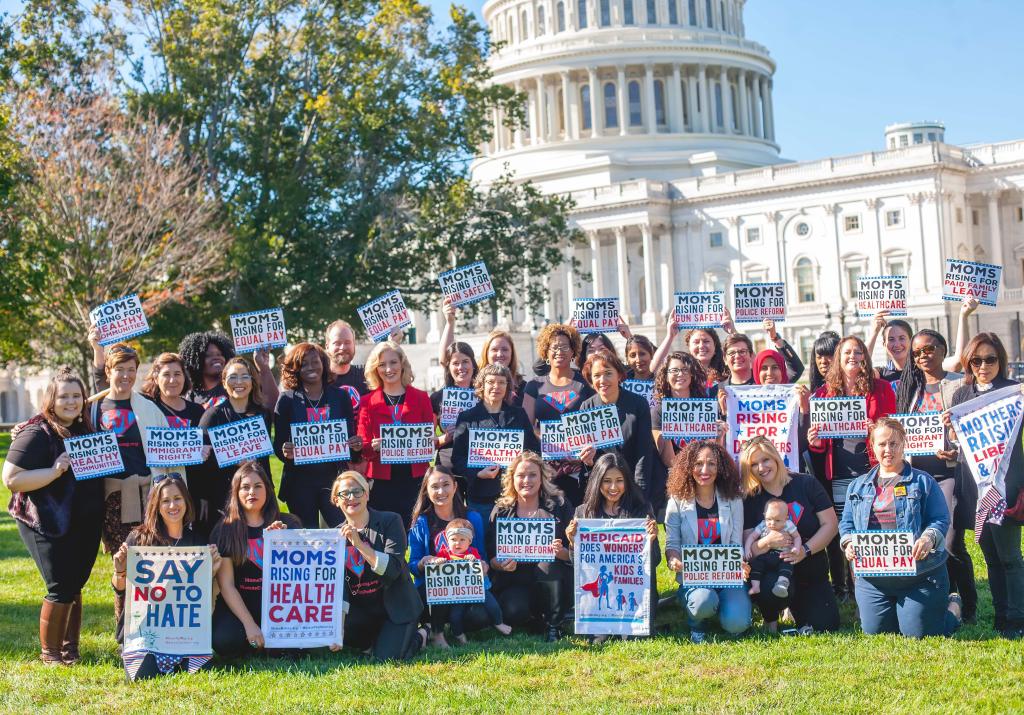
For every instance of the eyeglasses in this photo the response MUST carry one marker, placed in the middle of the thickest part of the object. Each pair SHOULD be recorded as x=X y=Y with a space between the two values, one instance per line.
x=737 y=353
x=924 y=350
x=987 y=360
x=157 y=478
x=238 y=378
x=678 y=371
x=554 y=349
x=354 y=493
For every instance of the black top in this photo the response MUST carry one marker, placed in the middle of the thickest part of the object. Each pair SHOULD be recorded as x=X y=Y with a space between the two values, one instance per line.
x=118 y=417
x=50 y=509
x=643 y=513
x=294 y=407
x=709 y=528
x=393 y=589
x=353 y=383
x=213 y=482
x=208 y=398
x=527 y=572
x=444 y=454
x=509 y=417
x=188 y=417
x=637 y=448
x=550 y=401
x=248 y=576
x=806 y=497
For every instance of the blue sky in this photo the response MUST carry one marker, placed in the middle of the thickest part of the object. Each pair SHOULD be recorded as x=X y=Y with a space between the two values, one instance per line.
x=847 y=69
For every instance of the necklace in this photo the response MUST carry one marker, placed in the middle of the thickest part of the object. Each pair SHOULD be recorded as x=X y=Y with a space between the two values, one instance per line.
x=316 y=403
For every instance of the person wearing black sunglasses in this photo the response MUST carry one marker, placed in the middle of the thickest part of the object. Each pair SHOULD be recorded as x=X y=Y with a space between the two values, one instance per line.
x=986 y=360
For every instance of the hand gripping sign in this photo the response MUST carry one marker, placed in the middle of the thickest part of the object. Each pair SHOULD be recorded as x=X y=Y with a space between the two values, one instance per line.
x=689 y=418
x=985 y=428
x=755 y=302
x=173 y=446
x=596 y=315
x=925 y=433
x=406 y=444
x=840 y=417
x=240 y=441
x=612 y=568
x=493 y=447
x=700 y=309
x=383 y=315
x=318 y=442
x=466 y=285
x=119 y=319
x=259 y=330
x=597 y=427
x=883 y=553
x=94 y=455
x=455 y=581
x=875 y=293
x=967 y=279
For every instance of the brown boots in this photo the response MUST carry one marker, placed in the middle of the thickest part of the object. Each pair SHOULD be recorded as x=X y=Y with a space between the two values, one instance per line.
x=53 y=624
x=69 y=649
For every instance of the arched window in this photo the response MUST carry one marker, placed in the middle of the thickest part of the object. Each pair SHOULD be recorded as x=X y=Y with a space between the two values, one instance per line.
x=709 y=13
x=524 y=29
x=686 y=107
x=636 y=117
x=673 y=12
x=540 y=20
x=581 y=14
x=627 y=13
x=803 y=272
x=692 y=12
x=606 y=13
x=611 y=110
x=719 y=110
x=652 y=12
x=588 y=122
x=560 y=15
x=659 y=102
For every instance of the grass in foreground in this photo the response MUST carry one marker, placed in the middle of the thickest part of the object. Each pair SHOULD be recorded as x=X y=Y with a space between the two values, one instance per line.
x=843 y=672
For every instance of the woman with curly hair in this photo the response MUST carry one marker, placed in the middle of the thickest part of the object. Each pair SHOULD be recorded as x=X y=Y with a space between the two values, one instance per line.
x=309 y=395
x=532 y=591
x=705 y=507
x=205 y=355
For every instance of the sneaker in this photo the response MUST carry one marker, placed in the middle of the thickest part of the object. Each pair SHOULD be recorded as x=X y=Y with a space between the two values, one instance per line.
x=697 y=637
x=553 y=634
x=805 y=630
x=781 y=588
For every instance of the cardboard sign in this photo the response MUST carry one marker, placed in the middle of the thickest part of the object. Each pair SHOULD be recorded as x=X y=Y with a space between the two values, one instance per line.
x=466 y=285
x=169 y=600
x=840 y=417
x=986 y=427
x=967 y=279
x=612 y=568
x=494 y=447
x=455 y=401
x=383 y=315
x=456 y=581
x=258 y=330
x=597 y=427
x=700 y=309
x=884 y=553
x=640 y=388
x=689 y=418
x=524 y=539
x=756 y=302
x=596 y=315
x=552 y=442
x=94 y=455
x=712 y=566
x=406 y=444
x=303 y=587
x=173 y=446
x=767 y=410
x=318 y=442
x=118 y=320
x=925 y=433
x=875 y=293
x=240 y=441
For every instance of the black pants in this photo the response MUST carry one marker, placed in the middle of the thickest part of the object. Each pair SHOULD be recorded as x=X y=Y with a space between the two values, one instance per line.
x=813 y=603
x=769 y=562
x=397 y=495
x=475 y=617
x=960 y=567
x=1000 y=544
x=228 y=633
x=534 y=595
x=370 y=627
x=839 y=567
x=310 y=501
x=65 y=562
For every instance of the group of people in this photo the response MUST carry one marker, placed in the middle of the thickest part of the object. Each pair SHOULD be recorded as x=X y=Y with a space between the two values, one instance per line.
x=793 y=522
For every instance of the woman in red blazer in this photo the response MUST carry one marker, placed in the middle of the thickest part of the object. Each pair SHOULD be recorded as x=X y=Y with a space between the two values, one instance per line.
x=392 y=399
x=850 y=375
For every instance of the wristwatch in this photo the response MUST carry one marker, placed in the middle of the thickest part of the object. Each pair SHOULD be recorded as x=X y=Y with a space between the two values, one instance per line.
x=807 y=551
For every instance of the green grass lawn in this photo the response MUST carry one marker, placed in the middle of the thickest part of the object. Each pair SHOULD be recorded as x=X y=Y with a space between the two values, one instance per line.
x=844 y=672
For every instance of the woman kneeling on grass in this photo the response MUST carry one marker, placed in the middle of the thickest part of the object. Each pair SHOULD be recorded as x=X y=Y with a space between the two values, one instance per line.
x=896 y=497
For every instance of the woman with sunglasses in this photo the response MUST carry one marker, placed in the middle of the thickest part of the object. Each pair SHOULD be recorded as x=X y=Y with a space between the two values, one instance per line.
x=898 y=336
x=986 y=360
x=926 y=386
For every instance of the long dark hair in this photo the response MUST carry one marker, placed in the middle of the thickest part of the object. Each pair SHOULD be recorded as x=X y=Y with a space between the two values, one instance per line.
x=824 y=346
x=717 y=371
x=460 y=348
x=153 y=531
x=865 y=383
x=587 y=346
x=632 y=501
x=82 y=424
x=291 y=366
x=971 y=350
x=698 y=378
x=255 y=404
x=912 y=378
x=424 y=506
x=231 y=534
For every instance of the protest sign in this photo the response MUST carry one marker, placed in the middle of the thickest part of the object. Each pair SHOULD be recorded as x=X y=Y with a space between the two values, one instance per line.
x=317 y=442
x=925 y=433
x=118 y=320
x=875 y=293
x=612 y=567
x=173 y=446
x=967 y=279
x=640 y=388
x=240 y=441
x=689 y=418
x=700 y=309
x=493 y=447
x=883 y=553
x=840 y=417
x=456 y=581
x=169 y=603
x=258 y=330
x=596 y=315
x=406 y=444
x=712 y=566
x=986 y=427
x=383 y=315
x=94 y=455
x=466 y=285
x=767 y=410
x=455 y=401
x=755 y=302
x=303 y=587
x=597 y=427
x=552 y=441
x=524 y=539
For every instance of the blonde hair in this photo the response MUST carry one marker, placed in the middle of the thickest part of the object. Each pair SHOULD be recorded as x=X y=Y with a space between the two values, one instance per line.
x=753 y=445
x=344 y=477
x=373 y=362
x=550 y=495
x=513 y=363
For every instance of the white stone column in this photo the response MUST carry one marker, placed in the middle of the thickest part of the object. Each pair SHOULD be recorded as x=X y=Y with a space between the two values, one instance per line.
x=675 y=100
x=570 y=278
x=995 y=234
x=570 y=90
x=741 y=91
x=652 y=118
x=532 y=113
x=622 y=98
x=705 y=97
x=496 y=129
x=553 y=127
x=596 y=104
x=517 y=137
x=691 y=90
x=872 y=219
x=622 y=266
x=650 y=316
x=665 y=268
x=769 y=120
x=723 y=79
x=539 y=111
x=755 y=86
x=567 y=108
x=595 y=265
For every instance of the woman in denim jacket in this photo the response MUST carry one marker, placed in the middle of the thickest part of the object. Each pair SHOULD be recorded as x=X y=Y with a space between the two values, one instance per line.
x=896 y=497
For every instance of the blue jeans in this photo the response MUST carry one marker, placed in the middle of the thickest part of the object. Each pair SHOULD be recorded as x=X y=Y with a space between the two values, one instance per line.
x=915 y=606
x=731 y=604
x=457 y=615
